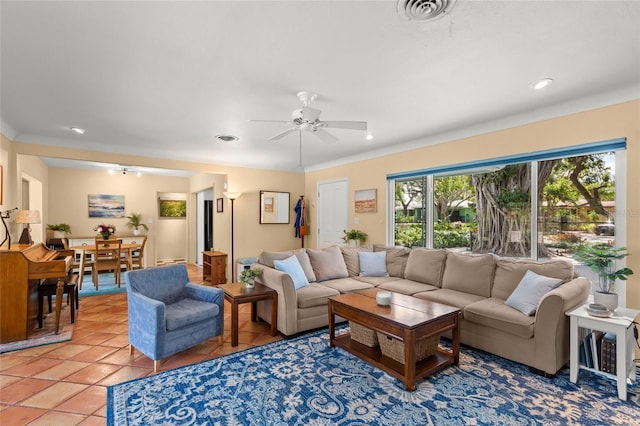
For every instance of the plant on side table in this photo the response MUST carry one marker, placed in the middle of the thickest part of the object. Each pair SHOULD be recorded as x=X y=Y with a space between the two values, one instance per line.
x=354 y=235
x=135 y=222
x=601 y=259
x=248 y=277
x=58 y=230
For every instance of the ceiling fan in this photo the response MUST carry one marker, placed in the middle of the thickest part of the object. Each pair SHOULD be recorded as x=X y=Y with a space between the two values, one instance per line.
x=308 y=119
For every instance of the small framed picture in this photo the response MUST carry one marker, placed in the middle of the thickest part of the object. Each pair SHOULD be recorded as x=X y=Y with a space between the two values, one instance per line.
x=219 y=205
x=365 y=201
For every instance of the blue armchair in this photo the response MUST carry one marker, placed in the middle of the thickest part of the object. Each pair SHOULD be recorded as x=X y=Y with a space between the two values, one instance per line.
x=168 y=314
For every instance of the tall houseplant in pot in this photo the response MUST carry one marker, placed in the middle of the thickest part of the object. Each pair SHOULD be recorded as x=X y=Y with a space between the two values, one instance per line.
x=601 y=258
x=135 y=222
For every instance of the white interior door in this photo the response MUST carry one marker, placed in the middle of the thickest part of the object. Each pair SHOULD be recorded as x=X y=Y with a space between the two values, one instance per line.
x=333 y=213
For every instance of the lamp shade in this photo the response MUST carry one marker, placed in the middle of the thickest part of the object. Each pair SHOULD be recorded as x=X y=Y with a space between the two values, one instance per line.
x=232 y=195
x=28 y=216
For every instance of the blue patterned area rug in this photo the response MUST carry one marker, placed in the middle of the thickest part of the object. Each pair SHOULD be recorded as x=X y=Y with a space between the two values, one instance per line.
x=304 y=382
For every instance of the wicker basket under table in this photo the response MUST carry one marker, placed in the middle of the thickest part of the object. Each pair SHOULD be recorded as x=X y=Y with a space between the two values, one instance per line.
x=394 y=348
x=362 y=334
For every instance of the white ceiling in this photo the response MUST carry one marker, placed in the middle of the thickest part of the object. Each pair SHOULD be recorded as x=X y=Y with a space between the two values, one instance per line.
x=161 y=79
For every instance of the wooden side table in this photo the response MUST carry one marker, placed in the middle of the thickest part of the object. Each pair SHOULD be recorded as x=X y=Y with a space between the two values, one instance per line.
x=622 y=326
x=214 y=266
x=237 y=294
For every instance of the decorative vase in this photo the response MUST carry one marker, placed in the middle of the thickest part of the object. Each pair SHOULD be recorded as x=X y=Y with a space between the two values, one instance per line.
x=249 y=283
x=105 y=236
x=610 y=300
x=136 y=231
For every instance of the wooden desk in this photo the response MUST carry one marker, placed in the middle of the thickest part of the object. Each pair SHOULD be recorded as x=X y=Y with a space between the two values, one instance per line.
x=91 y=249
x=238 y=293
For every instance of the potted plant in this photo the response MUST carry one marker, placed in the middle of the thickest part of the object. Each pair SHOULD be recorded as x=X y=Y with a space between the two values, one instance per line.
x=105 y=230
x=248 y=277
x=354 y=235
x=601 y=259
x=135 y=222
x=59 y=230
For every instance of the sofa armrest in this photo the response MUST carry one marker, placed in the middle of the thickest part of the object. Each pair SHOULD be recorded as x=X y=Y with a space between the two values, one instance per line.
x=287 y=298
x=551 y=329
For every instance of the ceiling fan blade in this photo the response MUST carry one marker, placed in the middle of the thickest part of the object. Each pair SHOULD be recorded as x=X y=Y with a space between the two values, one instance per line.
x=325 y=136
x=270 y=121
x=351 y=125
x=282 y=134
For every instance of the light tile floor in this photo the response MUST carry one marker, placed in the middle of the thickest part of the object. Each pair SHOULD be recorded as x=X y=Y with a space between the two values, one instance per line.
x=66 y=383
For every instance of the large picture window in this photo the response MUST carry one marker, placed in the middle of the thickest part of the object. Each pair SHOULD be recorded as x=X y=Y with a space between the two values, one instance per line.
x=545 y=205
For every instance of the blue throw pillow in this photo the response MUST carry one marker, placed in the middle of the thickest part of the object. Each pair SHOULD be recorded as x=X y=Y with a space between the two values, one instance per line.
x=530 y=290
x=373 y=263
x=291 y=265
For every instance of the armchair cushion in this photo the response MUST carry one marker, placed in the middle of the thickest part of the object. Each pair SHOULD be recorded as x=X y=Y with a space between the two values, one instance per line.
x=189 y=311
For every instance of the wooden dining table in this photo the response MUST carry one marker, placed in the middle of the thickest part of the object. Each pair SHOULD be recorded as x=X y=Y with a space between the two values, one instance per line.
x=84 y=250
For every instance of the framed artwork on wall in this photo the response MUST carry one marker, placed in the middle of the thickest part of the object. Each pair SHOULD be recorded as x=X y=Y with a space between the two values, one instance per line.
x=169 y=208
x=105 y=205
x=219 y=205
x=365 y=201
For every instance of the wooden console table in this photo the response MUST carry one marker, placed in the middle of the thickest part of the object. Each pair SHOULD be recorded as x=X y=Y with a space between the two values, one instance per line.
x=408 y=319
x=214 y=266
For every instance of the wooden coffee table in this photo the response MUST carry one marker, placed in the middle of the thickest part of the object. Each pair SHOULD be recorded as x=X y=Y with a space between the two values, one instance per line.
x=408 y=319
x=237 y=293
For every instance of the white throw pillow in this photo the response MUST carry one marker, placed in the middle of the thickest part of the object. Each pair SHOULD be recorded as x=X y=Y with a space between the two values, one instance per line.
x=530 y=290
x=373 y=264
x=291 y=266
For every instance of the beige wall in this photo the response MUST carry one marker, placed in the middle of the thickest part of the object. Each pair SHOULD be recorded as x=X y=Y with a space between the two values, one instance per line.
x=617 y=121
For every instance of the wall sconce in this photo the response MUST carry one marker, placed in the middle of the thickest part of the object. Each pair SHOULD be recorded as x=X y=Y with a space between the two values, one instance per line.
x=27 y=217
x=232 y=196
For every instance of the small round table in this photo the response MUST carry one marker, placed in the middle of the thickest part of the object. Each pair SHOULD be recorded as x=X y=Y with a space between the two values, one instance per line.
x=237 y=294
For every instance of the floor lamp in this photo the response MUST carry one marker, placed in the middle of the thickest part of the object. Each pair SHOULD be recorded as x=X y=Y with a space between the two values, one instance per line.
x=232 y=196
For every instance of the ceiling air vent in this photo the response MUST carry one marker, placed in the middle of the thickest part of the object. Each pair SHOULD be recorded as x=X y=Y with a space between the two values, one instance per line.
x=424 y=10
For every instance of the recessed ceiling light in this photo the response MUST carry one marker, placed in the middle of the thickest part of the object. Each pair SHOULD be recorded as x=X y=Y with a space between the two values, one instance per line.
x=369 y=137
x=78 y=130
x=541 y=84
x=226 y=138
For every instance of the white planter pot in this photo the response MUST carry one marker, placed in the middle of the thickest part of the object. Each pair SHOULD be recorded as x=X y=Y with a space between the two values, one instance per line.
x=136 y=232
x=610 y=300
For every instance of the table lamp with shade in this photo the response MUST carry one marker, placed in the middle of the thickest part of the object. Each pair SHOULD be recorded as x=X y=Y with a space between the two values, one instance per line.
x=28 y=217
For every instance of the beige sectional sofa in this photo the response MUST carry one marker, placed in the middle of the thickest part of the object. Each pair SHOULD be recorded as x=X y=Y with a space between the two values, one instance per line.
x=478 y=284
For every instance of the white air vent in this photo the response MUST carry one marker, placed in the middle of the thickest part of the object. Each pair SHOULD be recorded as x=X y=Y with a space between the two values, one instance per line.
x=424 y=10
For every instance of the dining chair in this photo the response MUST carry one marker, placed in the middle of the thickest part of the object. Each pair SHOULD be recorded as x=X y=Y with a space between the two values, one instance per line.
x=88 y=261
x=136 y=256
x=107 y=258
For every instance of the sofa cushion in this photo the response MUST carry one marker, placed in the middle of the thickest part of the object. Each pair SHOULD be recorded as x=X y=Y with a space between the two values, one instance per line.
x=459 y=299
x=469 y=273
x=376 y=281
x=373 y=264
x=425 y=265
x=407 y=286
x=291 y=266
x=509 y=272
x=396 y=259
x=352 y=260
x=495 y=314
x=328 y=263
x=315 y=295
x=530 y=291
x=189 y=311
x=267 y=257
x=347 y=285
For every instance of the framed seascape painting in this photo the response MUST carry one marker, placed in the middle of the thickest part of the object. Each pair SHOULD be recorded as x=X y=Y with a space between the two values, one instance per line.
x=365 y=201
x=170 y=208
x=104 y=205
